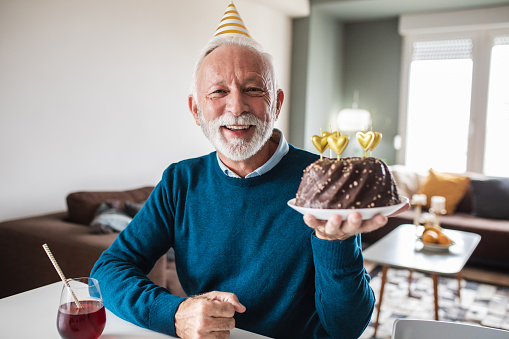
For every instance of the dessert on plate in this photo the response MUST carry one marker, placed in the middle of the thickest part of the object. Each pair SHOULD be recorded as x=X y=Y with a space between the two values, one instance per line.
x=347 y=183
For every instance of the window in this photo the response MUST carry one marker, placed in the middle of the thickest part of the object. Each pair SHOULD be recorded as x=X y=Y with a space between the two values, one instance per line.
x=439 y=105
x=455 y=102
x=497 y=119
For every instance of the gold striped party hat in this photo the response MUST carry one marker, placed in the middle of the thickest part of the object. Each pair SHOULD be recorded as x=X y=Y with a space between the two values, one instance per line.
x=231 y=24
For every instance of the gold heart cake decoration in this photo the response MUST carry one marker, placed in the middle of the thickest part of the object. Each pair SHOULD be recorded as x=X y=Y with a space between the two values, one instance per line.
x=378 y=137
x=320 y=143
x=329 y=134
x=366 y=140
x=338 y=143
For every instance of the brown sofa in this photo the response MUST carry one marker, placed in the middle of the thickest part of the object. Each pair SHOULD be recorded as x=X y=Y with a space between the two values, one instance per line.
x=24 y=264
x=493 y=249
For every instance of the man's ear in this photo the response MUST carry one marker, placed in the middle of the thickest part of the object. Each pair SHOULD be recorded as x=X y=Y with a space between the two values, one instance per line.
x=193 y=107
x=280 y=97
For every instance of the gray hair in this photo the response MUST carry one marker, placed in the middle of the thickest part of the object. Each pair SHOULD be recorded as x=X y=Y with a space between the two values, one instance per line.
x=237 y=41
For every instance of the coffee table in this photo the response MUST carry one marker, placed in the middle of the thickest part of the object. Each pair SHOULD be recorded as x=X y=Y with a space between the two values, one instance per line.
x=401 y=248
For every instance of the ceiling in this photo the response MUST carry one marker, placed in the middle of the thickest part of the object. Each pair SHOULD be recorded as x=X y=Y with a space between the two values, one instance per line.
x=356 y=10
x=293 y=8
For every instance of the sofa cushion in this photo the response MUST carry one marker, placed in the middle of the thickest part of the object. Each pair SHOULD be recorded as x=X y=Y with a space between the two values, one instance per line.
x=465 y=204
x=109 y=218
x=407 y=181
x=451 y=186
x=82 y=206
x=132 y=208
x=490 y=197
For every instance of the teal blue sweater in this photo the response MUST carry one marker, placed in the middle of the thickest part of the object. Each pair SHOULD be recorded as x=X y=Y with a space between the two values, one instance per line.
x=238 y=235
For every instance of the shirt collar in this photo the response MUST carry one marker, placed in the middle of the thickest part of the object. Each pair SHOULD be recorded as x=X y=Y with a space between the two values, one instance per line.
x=281 y=151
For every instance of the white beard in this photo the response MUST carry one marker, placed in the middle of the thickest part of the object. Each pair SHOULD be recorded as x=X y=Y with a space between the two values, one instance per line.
x=237 y=149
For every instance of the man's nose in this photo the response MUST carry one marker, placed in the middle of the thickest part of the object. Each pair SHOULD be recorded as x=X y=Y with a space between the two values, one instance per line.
x=236 y=104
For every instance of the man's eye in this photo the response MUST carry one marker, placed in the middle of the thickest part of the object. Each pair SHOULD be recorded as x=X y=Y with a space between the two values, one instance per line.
x=255 y=90
x=218 y=93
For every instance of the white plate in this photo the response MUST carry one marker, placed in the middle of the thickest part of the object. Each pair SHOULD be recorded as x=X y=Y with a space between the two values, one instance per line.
x=435 y=247
x=366 y=213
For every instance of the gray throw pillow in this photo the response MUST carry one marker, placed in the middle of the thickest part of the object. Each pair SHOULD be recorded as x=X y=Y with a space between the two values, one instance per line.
x=490 y=198
x=109 y=218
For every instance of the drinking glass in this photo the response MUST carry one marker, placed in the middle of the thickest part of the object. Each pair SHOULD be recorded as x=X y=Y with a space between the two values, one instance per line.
x=86 y=322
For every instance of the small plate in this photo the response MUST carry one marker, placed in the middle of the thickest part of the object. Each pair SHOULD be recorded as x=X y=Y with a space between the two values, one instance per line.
x=435 y=247
x=366 y=213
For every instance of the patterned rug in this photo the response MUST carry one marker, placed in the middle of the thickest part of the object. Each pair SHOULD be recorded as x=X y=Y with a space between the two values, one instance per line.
x=480 y=304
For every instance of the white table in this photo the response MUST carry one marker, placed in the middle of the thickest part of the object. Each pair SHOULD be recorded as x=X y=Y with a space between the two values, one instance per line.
x=400 y=248
x=33 y=314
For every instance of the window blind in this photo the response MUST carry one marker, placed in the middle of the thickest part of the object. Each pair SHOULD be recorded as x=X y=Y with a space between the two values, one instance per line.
x=501 y=40
x=442 y=49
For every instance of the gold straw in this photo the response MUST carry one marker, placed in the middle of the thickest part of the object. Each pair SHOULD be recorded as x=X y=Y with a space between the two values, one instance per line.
x=61 y=274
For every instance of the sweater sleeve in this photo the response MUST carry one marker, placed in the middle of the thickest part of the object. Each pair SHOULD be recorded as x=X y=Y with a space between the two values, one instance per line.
x=122 y=269
x=344 y=300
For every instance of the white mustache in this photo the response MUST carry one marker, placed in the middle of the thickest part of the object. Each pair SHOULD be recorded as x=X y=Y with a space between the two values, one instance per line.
x=244 y=119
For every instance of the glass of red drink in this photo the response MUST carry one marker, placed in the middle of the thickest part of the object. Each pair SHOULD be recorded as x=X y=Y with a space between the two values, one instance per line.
x=86 y=322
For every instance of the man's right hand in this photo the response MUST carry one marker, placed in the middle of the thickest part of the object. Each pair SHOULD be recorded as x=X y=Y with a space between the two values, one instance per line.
x=208 y=315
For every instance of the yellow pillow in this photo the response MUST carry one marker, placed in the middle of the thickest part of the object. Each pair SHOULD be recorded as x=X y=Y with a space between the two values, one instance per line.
x=451 y=186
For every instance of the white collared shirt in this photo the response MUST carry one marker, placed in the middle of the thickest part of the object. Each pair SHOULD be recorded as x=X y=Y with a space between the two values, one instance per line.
x=281 y=151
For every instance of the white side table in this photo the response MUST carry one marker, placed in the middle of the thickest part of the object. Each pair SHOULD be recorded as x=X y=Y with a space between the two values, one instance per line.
x=400 y=248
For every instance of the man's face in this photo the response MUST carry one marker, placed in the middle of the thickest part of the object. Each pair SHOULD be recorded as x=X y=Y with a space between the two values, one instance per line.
x=236 y=105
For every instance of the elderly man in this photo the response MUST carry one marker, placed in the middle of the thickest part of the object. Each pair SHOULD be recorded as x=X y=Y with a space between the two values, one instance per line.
x=245 y=259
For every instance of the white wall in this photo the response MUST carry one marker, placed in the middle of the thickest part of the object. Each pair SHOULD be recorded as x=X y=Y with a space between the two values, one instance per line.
x=93 y=93
x=323 y=75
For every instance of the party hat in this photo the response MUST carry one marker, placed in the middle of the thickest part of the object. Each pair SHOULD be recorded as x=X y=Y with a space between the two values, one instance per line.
x=231 y=24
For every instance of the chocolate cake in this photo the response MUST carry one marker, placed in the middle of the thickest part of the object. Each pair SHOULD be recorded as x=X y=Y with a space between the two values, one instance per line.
x=358 y=182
